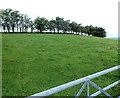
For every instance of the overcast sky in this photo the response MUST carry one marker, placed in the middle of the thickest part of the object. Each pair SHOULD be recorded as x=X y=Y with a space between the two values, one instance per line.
x=101 y=13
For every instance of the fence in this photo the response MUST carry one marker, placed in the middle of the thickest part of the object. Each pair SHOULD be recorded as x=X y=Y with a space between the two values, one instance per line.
x=87 y=81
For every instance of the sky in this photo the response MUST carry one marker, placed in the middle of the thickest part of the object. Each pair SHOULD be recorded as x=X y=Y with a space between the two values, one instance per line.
x=101 y=13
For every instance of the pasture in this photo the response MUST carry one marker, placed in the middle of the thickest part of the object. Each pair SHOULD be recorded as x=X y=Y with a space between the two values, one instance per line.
x=32 y=63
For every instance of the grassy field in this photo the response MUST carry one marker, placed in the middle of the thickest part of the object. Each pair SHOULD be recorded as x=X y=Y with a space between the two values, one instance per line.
x=36 y=62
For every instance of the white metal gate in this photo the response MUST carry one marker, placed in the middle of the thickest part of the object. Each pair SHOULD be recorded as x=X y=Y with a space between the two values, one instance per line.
x=87 y=81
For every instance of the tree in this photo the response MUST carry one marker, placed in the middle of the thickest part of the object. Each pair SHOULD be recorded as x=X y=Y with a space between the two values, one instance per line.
x=10 y=19
x=99 y=32
x=59 y=22
x=31 y=25
x=83 y=30
x=26 y=22
x=1 y=12
x=75 y=27
x=78 y=28
x=41 y=24
x=72 y=26
x=6 y=19
x=51 y=25
x=21 y=23
x=15 y=17
x=87 y=30
x=66 y=26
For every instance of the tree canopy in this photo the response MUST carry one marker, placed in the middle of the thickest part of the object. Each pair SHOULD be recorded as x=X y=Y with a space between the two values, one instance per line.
x=13 y=21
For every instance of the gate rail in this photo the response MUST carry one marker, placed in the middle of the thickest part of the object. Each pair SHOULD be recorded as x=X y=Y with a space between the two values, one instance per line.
x=87 y=81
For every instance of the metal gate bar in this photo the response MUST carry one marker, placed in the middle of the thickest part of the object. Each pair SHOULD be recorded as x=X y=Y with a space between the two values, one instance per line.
x=96 y=86
x=100 y=89
x=82 y=88
x=76 y=82
x=106 y=88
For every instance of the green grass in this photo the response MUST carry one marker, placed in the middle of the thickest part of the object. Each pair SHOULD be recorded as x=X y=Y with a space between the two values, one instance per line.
x=36 y=62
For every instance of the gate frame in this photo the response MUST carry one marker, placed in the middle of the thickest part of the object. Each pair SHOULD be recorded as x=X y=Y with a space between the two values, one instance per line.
x=87 y=81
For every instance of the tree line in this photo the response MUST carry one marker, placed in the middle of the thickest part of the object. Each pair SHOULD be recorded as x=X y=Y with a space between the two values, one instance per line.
x=13 y=21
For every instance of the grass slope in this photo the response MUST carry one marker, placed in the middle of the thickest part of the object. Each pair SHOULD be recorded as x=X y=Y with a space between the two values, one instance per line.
x=36 y=62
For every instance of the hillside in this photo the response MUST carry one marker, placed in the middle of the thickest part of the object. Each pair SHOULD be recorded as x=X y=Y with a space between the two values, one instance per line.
x=36 y=62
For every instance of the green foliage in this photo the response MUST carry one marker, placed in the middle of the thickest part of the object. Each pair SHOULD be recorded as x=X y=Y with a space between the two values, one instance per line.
x=41 y=24
x=1 y=19
x=66 y=26
x=36 y=62
x=58 y=22
x=51 y=25
x=12 y=19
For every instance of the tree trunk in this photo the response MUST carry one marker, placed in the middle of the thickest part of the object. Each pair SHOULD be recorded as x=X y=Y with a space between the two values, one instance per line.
x=12 y=28
x=58 y=30
x=20 y=29
x=17 y=27
x=54 y=30
x=40 y=31
x=8 y=28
